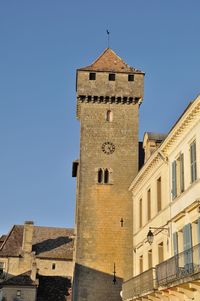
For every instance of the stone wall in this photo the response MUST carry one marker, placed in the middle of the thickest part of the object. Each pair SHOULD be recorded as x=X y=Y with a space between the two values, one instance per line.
x=26 y=293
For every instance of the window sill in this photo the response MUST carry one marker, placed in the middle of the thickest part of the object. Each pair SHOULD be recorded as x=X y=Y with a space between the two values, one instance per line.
x=101 y=184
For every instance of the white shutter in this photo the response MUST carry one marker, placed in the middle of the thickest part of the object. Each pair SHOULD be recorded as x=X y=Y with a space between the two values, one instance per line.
x=174 y=188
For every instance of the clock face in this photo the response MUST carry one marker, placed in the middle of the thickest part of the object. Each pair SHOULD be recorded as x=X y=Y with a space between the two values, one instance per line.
x=108 y=147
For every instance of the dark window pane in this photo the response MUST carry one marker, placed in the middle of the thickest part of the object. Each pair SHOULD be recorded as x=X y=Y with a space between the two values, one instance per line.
x=106 y=176
x=111 y=77
x=130 y=77
x=100 y=176
x=92 y=76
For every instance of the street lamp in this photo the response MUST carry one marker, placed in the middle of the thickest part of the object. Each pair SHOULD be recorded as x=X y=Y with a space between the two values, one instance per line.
x=150 y=235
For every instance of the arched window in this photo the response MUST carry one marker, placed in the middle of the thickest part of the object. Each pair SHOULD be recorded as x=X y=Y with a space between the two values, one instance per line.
x=109 y=116
x=100 y=175
x=106 y=176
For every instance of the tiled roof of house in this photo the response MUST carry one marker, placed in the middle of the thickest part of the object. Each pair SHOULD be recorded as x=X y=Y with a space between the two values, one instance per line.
x=109 y=61
x=48 y=242
x=2 y=238
x=22 y=280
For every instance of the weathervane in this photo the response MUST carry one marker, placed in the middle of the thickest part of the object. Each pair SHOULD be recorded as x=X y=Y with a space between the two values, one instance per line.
x=108 y=34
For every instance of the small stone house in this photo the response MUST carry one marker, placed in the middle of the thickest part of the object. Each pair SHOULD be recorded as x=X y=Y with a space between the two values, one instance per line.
x=30 y=253
x=20 y=287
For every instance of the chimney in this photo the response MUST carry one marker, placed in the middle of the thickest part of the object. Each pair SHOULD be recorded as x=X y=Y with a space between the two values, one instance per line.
x=27 y=237
x=34 y=271
x=151 y=142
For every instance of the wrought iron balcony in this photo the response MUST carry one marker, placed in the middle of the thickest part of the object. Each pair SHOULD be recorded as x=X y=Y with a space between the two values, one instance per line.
x=179 y=266
x=139 y=285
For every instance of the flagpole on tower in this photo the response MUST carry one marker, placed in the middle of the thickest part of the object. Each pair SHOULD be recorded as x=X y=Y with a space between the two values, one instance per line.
x=108 y=34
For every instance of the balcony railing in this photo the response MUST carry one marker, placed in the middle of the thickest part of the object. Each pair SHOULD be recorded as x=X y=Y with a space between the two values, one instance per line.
x=179 y=266
x=139 y=285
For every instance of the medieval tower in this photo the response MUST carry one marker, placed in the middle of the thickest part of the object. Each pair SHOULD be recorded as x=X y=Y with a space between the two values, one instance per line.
x=109 y=93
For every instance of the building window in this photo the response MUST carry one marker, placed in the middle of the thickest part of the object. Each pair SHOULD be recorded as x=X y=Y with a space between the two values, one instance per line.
x=174 y=190
x=109 y=116
x=178 y=176
x=140 y=213
x=104 y=176
x=198 y=231
x=149 y=204
x=1 y=269
x=131 y=77
x=181 y=172
x=141 y=263
x=111 y=77
x=100 y=176
x=150 y=259
x=175 y=242
x=18 y=293
x=92 y=76
x=159 y=194
x=53 y=266
x=160 y=252
x=193 y=166
x=187 y=245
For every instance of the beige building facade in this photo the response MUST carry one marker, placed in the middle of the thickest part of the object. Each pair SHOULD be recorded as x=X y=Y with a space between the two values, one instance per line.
x=166 y=199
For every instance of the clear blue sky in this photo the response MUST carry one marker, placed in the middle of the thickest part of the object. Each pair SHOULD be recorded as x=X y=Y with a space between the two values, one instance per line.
x=42 y=42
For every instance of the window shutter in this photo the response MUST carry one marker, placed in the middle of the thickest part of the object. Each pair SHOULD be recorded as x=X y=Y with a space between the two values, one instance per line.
x=187 y=241
x=182 y=172
x=187 y=237
x=174 y=189
x=194 y=154
x=175 y=242
x=198 y=229
x=193 y=161
x=184 y=238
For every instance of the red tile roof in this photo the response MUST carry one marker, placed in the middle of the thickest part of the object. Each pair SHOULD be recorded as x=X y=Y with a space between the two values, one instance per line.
x=48 y=242
x=109 y=61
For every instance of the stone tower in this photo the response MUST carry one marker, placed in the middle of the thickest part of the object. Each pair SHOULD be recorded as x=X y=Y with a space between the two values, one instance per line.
x=109 y=93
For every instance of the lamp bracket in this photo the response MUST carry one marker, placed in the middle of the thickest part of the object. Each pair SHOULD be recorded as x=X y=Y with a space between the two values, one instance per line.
x=160 y=228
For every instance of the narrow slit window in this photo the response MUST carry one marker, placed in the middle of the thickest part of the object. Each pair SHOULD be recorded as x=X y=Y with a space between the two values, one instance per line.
x=100 y=175
x=106 y=176
x=109 y=116
x=111 y=77
x=53 y=266
x=92 y=76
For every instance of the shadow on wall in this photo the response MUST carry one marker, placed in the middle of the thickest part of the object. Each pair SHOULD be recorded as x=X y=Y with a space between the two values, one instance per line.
x=50 y=244
x=53 y=288
x=93 y=285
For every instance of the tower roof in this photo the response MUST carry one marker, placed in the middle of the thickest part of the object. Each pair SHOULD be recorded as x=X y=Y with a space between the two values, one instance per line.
x=109 y=61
